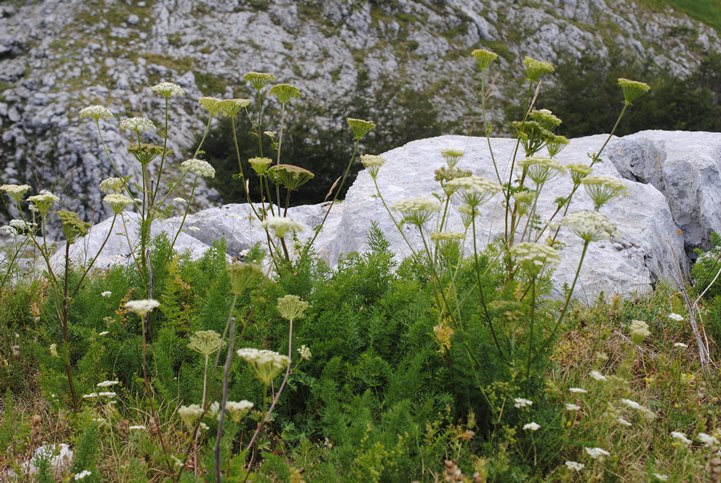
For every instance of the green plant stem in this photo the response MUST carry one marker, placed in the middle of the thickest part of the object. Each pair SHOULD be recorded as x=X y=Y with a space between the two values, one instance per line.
x=487 y=127
x=437 y=278
x=533 y=322
x=486 y=313
x=393 y=219
x=277 y=161
x=126 y=186
x=13 y=260
x=567 y=302
x=224 y=398
x=92 y=262
x=185 y=213
x=335 y=197
x=64 y=322
x=162 y=156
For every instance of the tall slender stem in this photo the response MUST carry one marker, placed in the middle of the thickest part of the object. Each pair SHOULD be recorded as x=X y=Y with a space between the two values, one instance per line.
x=224 y=398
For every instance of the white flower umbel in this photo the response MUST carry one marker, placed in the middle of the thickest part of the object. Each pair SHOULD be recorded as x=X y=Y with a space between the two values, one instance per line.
x=281 y=226
x=598 y=376
x=198 y=167
x=520 y=403
x=572 y=407
x=541 y=170
x=660 y=477
x=532 y=426
x=168 y=89
x=95 y=112
x=681 y=345
x=675 y=317
x=590 y=226
x=82 y=475
x=117 y=202
x=417 y=211
x=474 y=190
x=533 y=257
x=266 y=364
x=577 y=390
x=304 y=353
x=639 y=331
x=602 y=189
x=143 y=306
x=137 y=124
x=190 y=414
x=597 y=453
x=372 y=163
x=707 y=439
x=111 y=185
x=237 y=410
x=107 y=383
x=15 y=191
x=43 y=201
x=574 y=465
x=681 y=437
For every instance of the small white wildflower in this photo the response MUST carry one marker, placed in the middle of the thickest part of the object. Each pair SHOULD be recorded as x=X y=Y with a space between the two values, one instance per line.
x=632 y=404
x=304 y=352
x=639 y=331
x=266 y=364
x=137 y=124
x=681 y=345
x=707 y=439
x=107 y=383
x=474 y=190
x=142 y=307
x=660 y=477
x=15 y=191
x=520 y=402
x=541 y=170
x=602 y=189
x=237 y=410
x=417 y=211
x=678 y=435
x=106 y=294
x=597 y=453
x=214 y=408
x=574 y=465
x=92 y=395
x=107 y=394
x=675 y=317
x=136 y=427
x=103 y=333
x=281 y=226
x=598 y=376
x=82 y=475
x=532 y=426
x=179 y=200
x=572 y=407
x=624 y=422
x=372 y=163
x=112 y=185
x=43 y=201
x=198 y=167
x=117 y=202
x=95 y=112
x=590 y=226
x=190 y=414
x=533 y=257
x=168 y=89
x=54 y=350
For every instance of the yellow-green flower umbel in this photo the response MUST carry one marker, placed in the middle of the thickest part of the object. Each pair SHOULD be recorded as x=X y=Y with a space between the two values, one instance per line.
x=360 y=127
x=284 y=92
x=632 y=90
x=260 y=165
x=243 y=276
x=206 y=342
x=484 y=58
x=292 y=307
x=289 y=176
x=73 y=226
x=266 y=364
x=258 y=79
x=231 y=107
x=535 y=69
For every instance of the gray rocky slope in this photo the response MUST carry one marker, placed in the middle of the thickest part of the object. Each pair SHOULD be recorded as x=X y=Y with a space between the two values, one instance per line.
x=672 y=207
x=57 y=56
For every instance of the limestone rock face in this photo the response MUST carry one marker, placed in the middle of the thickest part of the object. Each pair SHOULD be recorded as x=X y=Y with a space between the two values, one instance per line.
x=686 y=168
x=671 y=179
x=650 y=246
x=58 y=56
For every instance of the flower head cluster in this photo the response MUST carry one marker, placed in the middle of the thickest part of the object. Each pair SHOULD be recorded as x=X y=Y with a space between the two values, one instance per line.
x=205 y=342
x=578 y=172
x=372 y=163
x=190 y=414
x=258 y=79
x=540 y=170
x=112 y=185
x=360 y=128
x=281 y=226
x=452 y=157
x=231 y=107
x=15 y=191
x=198 y=167
x=675 y=317
x=107 y=384
x=639 y=331
x=577 y=390
x=597 y=453
x=417 y=211
x=284 y=92
x=95 y=112
x=266 y=364
x=555 y=144
x=292 y=307
x=574 y=465
x=632 y=90
x=572 y=407
x=260 y=165
x=242 y=276
x=707 y=439
x=680 y=437
x=520 y=403
x=43 y=201
x=475 y=190
x=590 y=226
x=168 y=89
x=304 y=352
x=137 y=124
x=82 y=475
x=22 y=227
x=533 y=257
x=602 y=189
x=117 y=202
x=545 y=118
x=147 y=152
x=535 y=69
x=484 y=58
x=73 y=227
x=447 y=236
x=238 y=409
x=524 y=200
x=598 y=376
x=532 y=426
x=210 y=104
x=289 y=176
x=143 y=306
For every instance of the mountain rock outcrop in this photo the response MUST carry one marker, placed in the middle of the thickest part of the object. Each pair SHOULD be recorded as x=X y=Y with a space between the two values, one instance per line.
x=58 y=56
